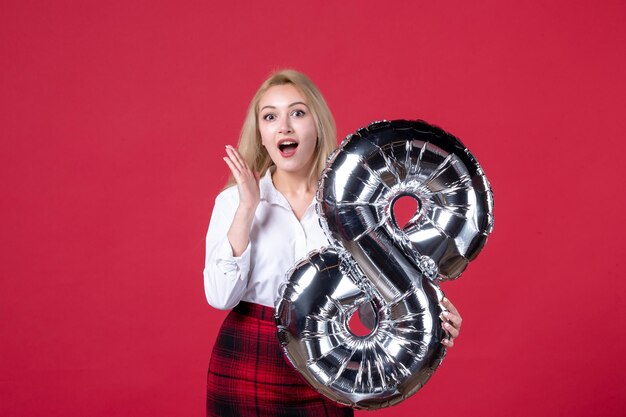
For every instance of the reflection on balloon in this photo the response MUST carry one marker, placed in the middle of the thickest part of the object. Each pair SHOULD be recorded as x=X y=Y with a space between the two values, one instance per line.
x=375 y=264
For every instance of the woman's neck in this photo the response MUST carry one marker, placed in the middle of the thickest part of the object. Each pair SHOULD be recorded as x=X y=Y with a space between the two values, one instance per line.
x=299 y=190
x=291 y=184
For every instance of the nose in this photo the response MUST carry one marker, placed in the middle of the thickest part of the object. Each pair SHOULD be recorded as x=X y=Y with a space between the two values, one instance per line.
x=285 y=126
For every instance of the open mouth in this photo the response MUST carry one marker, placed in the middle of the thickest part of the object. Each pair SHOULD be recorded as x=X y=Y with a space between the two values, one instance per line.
x=287 y=147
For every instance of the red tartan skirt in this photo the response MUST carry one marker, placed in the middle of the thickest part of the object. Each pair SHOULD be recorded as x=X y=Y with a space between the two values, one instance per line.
x=249 y=376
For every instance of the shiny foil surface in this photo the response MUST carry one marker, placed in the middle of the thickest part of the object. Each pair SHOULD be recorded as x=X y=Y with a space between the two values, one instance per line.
x=389 y=273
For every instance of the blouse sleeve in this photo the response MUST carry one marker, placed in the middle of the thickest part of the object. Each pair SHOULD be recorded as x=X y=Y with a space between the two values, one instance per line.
x=225 y=275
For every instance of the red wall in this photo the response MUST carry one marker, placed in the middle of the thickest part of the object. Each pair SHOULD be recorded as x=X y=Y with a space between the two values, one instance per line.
x=114 y=117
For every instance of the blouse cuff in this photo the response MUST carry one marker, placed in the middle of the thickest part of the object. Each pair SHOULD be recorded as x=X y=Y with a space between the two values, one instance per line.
x=236 y=267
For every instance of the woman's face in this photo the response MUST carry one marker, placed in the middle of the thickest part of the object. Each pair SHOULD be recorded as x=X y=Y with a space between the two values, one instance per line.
x=288 y=130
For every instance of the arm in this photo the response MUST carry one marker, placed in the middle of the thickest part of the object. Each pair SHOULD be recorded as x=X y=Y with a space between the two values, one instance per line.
x=227 y=261
x=225 y=275
x=249 y=197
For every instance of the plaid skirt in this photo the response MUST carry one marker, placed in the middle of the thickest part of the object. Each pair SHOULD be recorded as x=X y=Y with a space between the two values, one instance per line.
x=249 y=376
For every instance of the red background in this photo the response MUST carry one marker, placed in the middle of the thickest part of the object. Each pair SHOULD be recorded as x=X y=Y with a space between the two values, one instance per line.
x=113 y=120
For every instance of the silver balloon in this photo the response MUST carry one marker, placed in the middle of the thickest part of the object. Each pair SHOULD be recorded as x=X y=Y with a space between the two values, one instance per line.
x=374 y=264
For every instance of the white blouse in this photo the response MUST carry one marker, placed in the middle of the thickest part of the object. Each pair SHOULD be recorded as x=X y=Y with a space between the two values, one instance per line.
x=277 y=241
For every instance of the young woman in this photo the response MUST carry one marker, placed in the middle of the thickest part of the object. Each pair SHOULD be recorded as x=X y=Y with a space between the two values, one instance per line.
x=260 y=227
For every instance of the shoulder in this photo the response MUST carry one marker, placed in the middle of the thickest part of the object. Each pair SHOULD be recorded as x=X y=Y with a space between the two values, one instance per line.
x=227 y=200
x=229 y=194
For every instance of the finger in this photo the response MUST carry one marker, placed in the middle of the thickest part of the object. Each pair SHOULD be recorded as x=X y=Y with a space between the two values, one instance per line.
x=238 y=158
x=448 y=342
x=454 y=319
x=233 y=169
x=448 y=327
x=232 y=154
x=448 y=304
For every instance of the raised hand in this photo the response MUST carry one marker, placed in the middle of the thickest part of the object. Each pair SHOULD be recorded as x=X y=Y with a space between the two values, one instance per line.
x=247 y=180
x=249 y=197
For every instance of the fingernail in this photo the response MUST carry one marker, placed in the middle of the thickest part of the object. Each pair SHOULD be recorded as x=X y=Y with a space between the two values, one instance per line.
x=447 y=325
x=446 y=314
x=444 y=299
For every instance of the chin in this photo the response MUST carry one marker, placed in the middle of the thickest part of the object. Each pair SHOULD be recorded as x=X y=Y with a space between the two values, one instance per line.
x=292 y=168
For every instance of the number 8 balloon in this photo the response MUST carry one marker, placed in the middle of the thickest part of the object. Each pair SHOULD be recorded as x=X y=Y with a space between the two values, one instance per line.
x=375 y=265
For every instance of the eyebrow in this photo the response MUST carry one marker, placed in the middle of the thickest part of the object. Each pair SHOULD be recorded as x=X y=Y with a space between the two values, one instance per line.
x=291 y=105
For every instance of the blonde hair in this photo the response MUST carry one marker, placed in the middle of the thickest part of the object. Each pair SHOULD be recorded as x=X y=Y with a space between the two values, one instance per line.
x=250 y=147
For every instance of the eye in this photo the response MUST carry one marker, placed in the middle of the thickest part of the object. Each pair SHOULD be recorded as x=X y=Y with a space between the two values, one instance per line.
x=269 y=117
x=298 y=113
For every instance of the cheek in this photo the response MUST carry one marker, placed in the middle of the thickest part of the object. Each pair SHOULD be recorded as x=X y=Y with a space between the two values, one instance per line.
x=265 y=137
x=312 y=130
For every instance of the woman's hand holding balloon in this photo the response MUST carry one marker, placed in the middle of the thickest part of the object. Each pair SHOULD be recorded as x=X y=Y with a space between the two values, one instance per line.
x=249 y=197
x=451 y=322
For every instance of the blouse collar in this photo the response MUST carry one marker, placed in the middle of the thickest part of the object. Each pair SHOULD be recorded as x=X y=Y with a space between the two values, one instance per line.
x=269 y=193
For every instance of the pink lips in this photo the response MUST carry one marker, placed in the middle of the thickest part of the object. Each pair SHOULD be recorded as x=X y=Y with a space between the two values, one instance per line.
x=287 y=147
